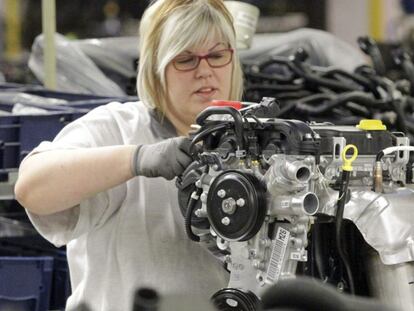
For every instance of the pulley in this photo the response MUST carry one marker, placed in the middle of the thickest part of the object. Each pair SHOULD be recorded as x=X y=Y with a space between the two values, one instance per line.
x=236 y=205
x=232 y=299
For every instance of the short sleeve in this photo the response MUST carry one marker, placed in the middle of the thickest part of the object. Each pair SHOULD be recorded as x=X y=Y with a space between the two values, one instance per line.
x=100 y=127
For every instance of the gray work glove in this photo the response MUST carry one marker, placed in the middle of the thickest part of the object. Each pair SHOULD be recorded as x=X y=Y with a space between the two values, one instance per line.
x=168 y=158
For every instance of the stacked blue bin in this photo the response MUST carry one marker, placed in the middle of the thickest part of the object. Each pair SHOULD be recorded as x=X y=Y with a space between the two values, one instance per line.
x=25 y=283
x=34 y=275
x=19 y=134
x=38 y=256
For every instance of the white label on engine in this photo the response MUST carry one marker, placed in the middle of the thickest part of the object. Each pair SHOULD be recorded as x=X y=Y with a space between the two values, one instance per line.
x=278 y=253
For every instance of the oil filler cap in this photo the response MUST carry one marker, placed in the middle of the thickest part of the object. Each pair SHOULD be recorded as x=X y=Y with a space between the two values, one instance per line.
x=371 y=125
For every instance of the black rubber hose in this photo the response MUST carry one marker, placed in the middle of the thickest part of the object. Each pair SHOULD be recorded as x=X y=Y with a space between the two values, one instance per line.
x=410 y=103
x=359 y=110
x=403 y=59
x=299 y=70
x=317 y=240
x=351 y=76
x=316 y=98
x=357 y=97
x=408 y=68
x=188 y=214
x=287 y=107
x=293 y=95
x=290 y=105
x=269 y=76
x=400 y=121
x=260 y=64
x=357 y=78
x=308 y=294
x=409 y=122
x=339 y=226
x=370 y=48
x=237 y=117
x=379 y=156
x=206 y=131
x=274 y=87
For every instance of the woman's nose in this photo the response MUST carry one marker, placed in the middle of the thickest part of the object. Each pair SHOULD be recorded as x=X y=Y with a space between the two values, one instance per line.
x=203 y=69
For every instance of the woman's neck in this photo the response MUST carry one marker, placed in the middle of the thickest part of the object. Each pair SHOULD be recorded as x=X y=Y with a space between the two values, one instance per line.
x=181 y=127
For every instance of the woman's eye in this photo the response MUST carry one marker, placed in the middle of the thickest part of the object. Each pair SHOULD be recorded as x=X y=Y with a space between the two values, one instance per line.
x=184 y=60
x=215 y=55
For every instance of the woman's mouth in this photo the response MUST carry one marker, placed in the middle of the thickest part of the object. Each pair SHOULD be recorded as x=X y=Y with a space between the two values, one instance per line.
x=206 y=92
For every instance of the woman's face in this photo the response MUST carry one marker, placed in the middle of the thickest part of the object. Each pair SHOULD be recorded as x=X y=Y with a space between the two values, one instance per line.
x=190 y=91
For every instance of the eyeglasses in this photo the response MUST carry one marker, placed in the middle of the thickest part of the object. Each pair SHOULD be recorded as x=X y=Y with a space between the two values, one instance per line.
x=215 y=59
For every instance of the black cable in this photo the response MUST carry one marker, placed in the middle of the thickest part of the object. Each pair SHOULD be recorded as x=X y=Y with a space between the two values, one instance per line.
x=206 y=131
x=379 y=156
x=274 y=87
x=294 y=95
x=370 y=48
x=251 y=115
x=400 y=123
x=287 y=107
x=188 y=215
x=403 y=59
x=358 y=97
x=237 y=117
x=361 y=80
x=316 y=245
x=315 y=98
x=358 y=110
x=315 y=79
x=338 y=228
x=366 y=83
x=269 y=77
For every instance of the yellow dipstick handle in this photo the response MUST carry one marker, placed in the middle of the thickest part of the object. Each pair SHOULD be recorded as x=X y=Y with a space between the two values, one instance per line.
x=347 y=166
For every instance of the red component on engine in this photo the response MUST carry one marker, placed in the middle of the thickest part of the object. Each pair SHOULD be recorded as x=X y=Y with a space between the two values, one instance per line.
x=226 y=103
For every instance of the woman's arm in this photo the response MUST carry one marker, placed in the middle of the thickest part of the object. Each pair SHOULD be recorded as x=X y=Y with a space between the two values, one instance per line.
x=53 y=181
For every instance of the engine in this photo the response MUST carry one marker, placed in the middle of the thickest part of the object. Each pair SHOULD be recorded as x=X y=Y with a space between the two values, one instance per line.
x=265 y=194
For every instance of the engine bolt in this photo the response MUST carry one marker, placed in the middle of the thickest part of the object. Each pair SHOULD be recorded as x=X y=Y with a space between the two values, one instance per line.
x=252 y=253
x=240 y=202
x=221 y=193
x=225 y=221
x=229 y=206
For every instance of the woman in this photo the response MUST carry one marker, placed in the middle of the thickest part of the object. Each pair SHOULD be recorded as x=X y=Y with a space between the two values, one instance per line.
x=97 y=188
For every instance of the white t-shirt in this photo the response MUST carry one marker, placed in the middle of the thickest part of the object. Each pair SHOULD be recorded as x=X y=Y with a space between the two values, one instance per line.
x=132 y=235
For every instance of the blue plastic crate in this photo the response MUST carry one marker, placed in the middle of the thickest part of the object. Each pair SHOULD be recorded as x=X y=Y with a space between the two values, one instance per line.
x=36 y=128
x=9 y=141
x=25 y=283
x=38 y=246
x=19 y=134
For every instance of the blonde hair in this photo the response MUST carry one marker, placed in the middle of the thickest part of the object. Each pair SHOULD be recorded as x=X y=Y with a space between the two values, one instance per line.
x=189 y=23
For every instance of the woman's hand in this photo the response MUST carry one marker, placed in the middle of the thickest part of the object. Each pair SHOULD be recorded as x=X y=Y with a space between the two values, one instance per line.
x=168 y=158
